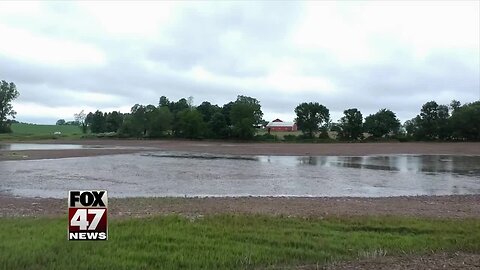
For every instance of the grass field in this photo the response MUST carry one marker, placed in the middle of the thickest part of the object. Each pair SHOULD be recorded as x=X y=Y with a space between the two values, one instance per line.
x=229 y=241
x=21 y=131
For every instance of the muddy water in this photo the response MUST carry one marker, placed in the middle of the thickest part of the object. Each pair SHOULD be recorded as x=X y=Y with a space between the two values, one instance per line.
x=187 y=174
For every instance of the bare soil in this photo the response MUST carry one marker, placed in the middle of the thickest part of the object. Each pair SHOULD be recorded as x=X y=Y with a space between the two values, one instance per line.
x=458 y=260
x=236 y=148
x=467 y=206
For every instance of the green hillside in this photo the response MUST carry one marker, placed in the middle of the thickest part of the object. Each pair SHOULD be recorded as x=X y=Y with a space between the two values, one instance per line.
x=22 y=131
x=32 y=129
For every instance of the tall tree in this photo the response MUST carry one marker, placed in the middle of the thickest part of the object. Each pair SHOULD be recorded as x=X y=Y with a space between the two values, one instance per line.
x=455 y=105
x=207 y=110
x=412 y=127
x=8 y=93
x=114 y=121
x=175 y=109
x=218 y=126
x=139 y=120
x=433 y=121
x=255 y=106
x=178 y=106
x=160 y=121
x=163 y=102
x=443 y=127
x=429 y=120
x=243 y=121
x=130 y=128
x=382 y=123
x=191 y=124
x=98 y=122
x=245 y=114
x=311 y=117
x=60 y=122
x=226 y=112
x=465 y=122
x=351 y=124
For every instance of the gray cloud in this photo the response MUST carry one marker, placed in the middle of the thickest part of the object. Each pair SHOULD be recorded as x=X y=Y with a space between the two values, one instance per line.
x=238 y=46
x=203 y=39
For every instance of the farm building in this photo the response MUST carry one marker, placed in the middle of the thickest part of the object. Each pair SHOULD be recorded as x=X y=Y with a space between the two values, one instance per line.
x=279 y=125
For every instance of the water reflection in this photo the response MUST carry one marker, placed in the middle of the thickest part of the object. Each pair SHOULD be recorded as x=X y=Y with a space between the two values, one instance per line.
x=429 y=164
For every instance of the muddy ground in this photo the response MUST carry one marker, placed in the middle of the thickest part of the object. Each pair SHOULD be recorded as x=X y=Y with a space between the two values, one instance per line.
x=467 y=206
x=297 y=149
x=458 y=260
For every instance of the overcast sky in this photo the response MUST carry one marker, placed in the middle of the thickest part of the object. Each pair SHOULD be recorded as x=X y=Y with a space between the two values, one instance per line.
x=66 y=56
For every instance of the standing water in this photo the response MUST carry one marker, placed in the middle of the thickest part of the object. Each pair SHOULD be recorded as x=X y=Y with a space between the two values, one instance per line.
x=159 y=174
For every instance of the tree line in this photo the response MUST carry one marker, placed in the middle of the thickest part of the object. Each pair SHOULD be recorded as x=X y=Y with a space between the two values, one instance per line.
x=241 y=118
x=237 y=119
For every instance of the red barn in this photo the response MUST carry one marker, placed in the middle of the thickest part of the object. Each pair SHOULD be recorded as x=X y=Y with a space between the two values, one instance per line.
x=279 y=125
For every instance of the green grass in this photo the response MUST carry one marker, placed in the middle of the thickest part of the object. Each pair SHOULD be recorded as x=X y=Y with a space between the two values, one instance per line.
x=225 y=242
x=21 y=128
x=24 y=132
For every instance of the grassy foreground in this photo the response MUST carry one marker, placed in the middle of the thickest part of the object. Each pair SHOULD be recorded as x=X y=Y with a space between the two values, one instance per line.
x=227 y=241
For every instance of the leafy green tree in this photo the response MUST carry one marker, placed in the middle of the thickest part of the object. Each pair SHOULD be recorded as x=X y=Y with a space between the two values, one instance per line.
x=311 y=117
x=443 y=125
x=255 y=106
x=455 y=105
x=429 y=120
x=88 y=119
x=114 y=121
x=465 y=122
x=191 y=124
x=207 y=110
x=60 y=122
x=243 y=121
x=382 y=123
x=163 y=102
x=130 y=128
x=98 y=122
x=8 y=93
x=160 y=122
x=226 y=112
x=178 y=106
x=138 y=123
x=351 y=124
x=433 y=122
x=412 y=127
x=175 y=109
x=245 y=114
x=218 y=126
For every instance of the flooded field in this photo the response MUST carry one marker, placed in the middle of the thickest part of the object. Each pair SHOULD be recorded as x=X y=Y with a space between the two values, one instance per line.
x=157 y=174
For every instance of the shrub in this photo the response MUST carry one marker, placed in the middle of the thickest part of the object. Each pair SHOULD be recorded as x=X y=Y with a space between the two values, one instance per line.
x=266 y=137
x=290 y=138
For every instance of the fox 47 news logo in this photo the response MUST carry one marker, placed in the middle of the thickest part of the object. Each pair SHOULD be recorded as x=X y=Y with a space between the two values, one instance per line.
x=87 y=215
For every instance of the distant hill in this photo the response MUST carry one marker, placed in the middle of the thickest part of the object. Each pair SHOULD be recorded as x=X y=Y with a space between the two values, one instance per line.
x=33 y=129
